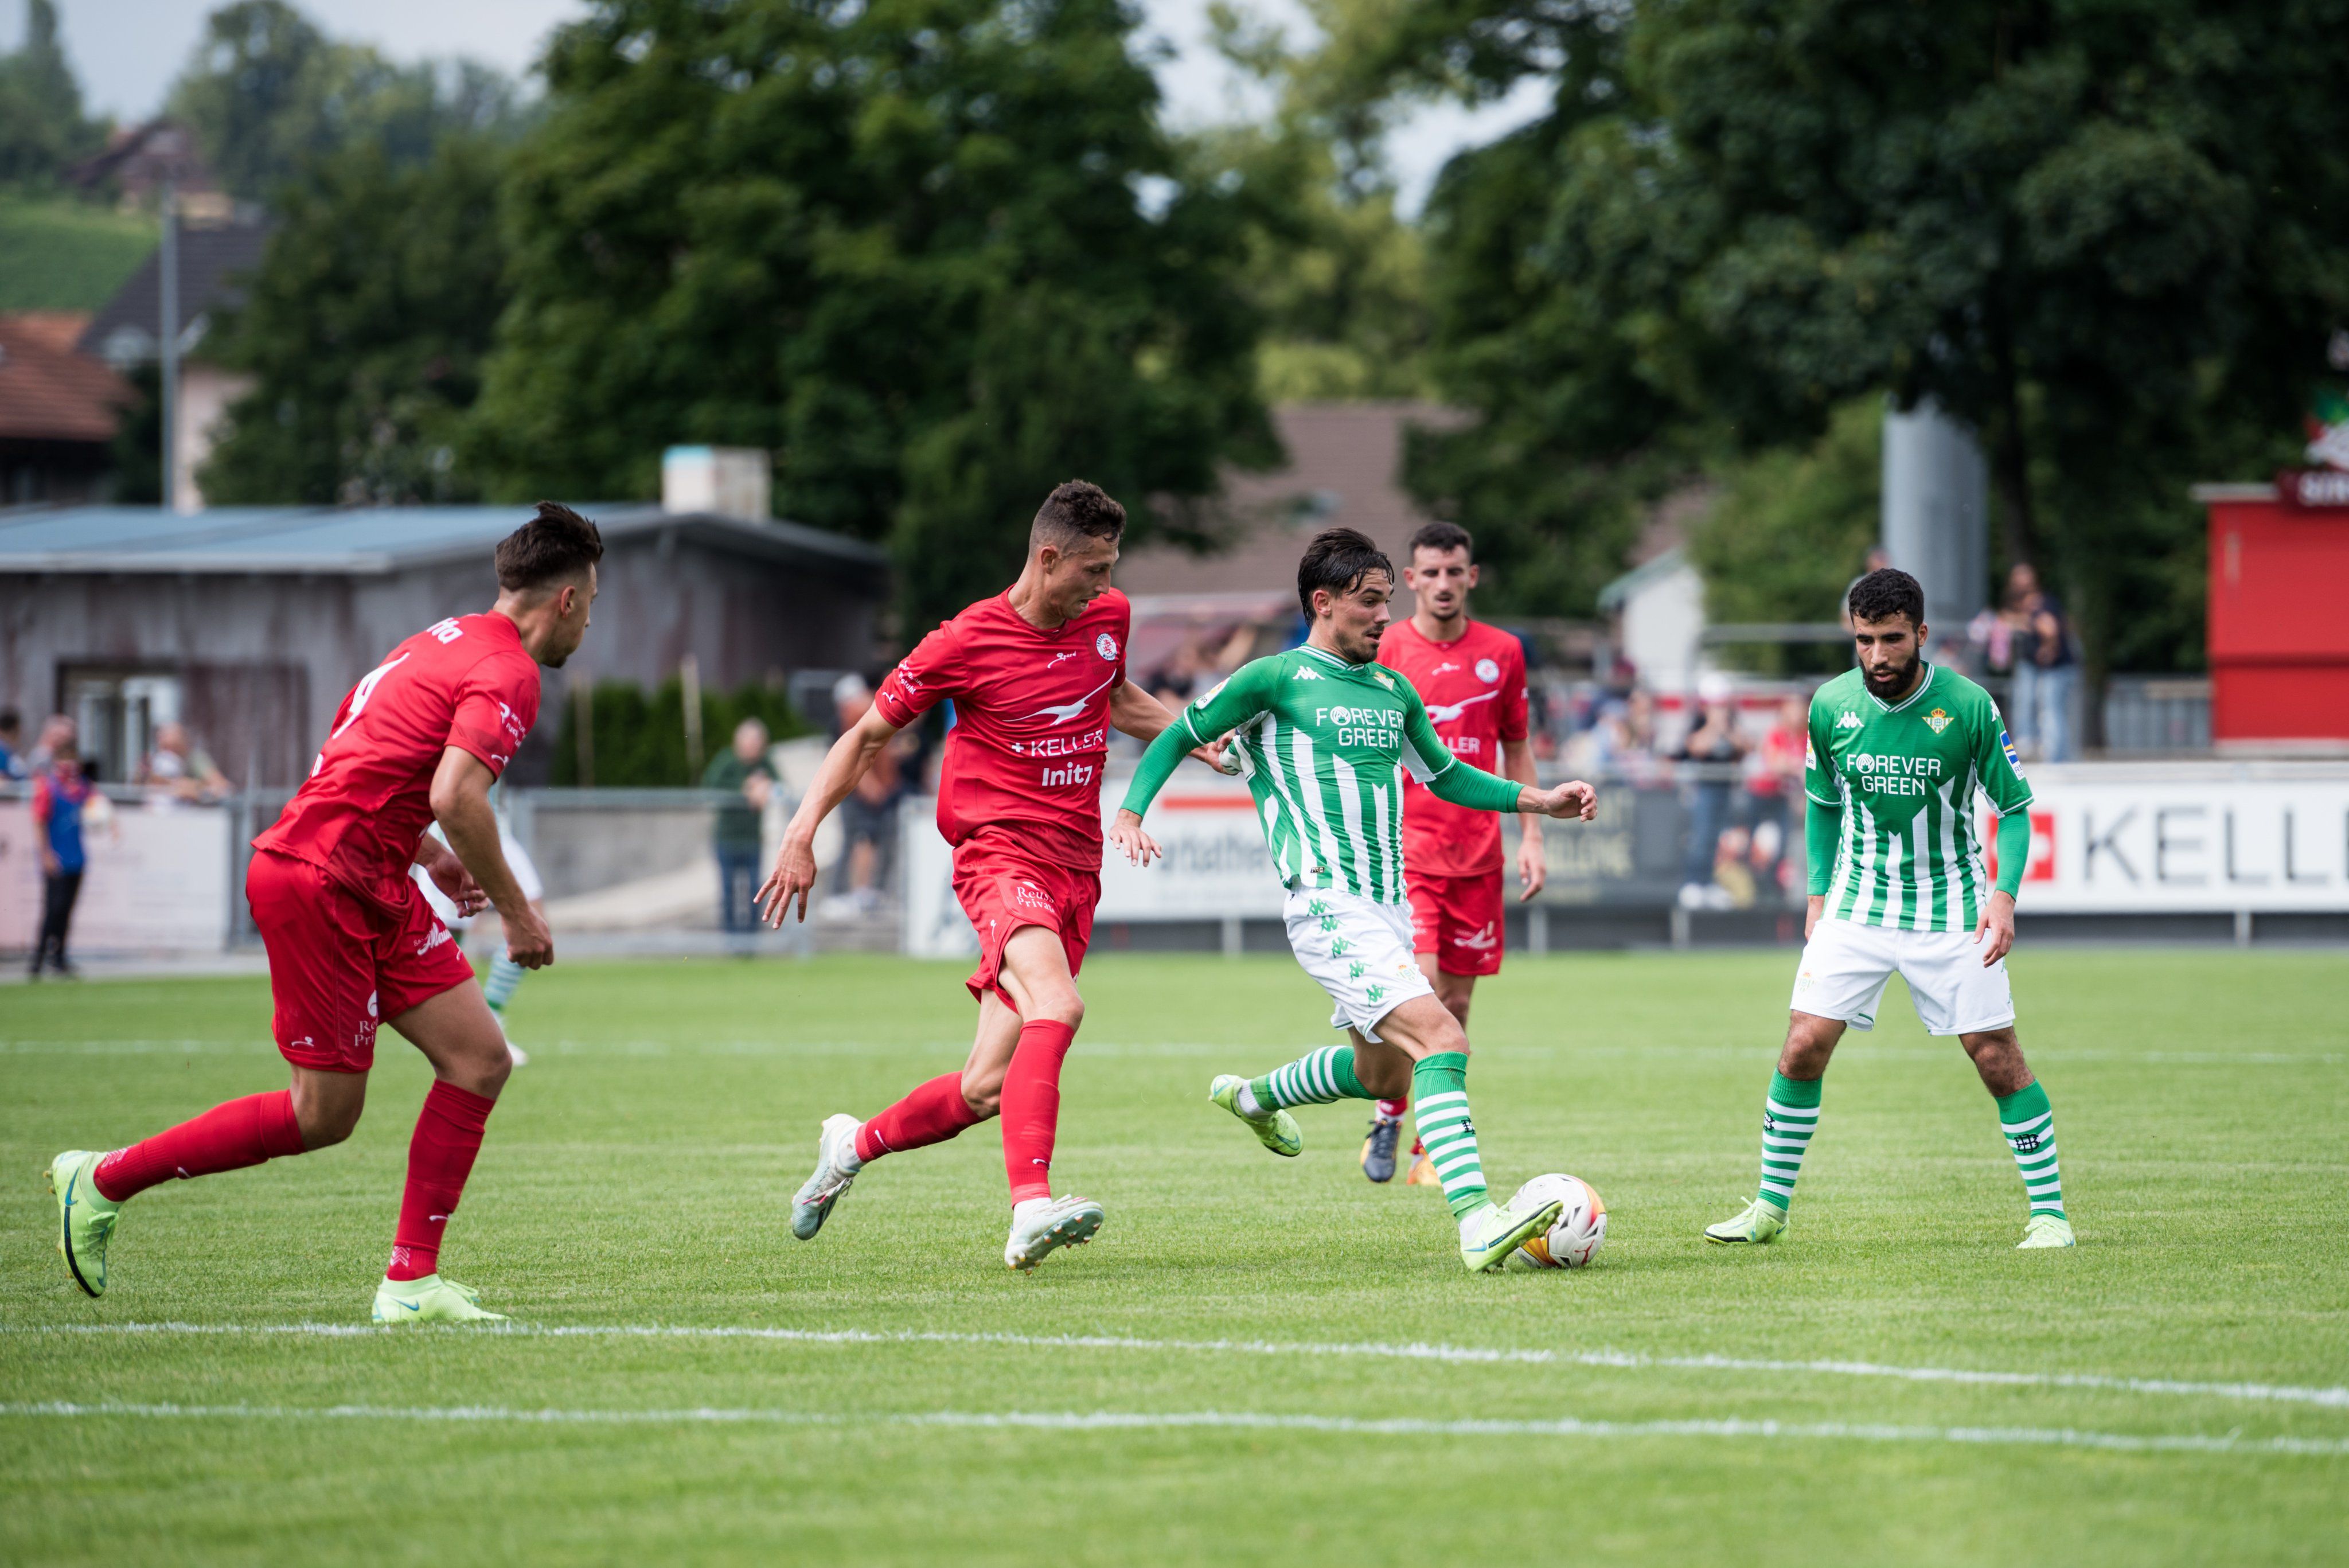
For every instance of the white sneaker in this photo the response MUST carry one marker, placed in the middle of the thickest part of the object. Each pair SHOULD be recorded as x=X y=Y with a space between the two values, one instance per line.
x=1041 y=1225
x=836 y=1165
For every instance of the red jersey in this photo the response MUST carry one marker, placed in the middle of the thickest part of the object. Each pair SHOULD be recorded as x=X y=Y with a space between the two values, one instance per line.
x=1031 y=737
x=464 y=682
x=1474 y=690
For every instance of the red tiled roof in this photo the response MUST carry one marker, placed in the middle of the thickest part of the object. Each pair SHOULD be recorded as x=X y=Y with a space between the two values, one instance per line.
x=48 y=392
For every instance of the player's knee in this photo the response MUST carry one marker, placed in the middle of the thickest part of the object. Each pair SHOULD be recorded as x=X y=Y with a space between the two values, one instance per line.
x=323 y=1125
x=984 y=1097
x=1062 y=1006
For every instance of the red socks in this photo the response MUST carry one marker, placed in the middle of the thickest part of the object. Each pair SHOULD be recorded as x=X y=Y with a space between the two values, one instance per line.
x=1032 y=1107
x=440 y=1158
x=229 y=1137
x=932 y=1112
x=1393 y=1110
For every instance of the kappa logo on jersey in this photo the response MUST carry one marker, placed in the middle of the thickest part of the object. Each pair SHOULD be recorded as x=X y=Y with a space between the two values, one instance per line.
x=1488 y=671
x=1444 y=712
x=1303 y=673
x=1850 y=721
x=1483 y=941
x=1938 y=721
x=1106 y=645
x=1061 y=713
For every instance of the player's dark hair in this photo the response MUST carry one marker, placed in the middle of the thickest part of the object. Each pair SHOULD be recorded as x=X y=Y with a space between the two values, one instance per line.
x=1079 y=509
x=555 y=544
x=1338 y=559
x=1886 y=592
x=1441 y=537
x=10 y=721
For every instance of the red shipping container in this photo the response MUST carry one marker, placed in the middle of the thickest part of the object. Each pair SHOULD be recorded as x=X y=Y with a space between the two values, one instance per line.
x=2279 y=620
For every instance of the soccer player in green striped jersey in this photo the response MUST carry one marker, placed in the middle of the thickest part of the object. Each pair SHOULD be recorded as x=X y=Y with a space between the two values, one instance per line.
x=1323 y=734
x=1898 y=749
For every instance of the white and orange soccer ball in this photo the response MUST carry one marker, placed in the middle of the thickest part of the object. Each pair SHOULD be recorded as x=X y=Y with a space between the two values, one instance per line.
x=1581 y=1229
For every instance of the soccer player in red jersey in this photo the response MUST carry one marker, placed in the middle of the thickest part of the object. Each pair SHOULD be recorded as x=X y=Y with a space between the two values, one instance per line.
x=1473 y=678
x=1037 y=675
x=351 y=941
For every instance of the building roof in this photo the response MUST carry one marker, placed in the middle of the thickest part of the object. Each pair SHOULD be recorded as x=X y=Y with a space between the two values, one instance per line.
x=48 y=392
x=212 y=259
x=1647 y=574
x=365 y=542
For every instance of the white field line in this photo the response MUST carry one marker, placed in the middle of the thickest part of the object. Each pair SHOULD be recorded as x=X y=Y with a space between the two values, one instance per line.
x=2330 y=1398
x=1147 y=1421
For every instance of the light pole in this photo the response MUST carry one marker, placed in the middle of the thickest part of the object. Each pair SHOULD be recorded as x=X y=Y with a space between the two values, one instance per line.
x=169 y=258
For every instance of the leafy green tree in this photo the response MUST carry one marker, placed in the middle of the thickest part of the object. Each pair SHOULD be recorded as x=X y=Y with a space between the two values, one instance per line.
x=42 y=127
x=637 y=738
x=2112 y=238
x=266 y=92
x=364 y=329
x=936 y=255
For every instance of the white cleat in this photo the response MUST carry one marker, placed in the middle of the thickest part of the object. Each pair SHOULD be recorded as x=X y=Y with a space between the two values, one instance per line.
x=836 y=1165
x=1040 y=1226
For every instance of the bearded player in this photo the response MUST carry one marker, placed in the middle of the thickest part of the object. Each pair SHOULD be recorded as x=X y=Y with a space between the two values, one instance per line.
x=1323 y=734
x=351 y=940
x=1898 y=750
x=1037 y=675
x=1472 y=677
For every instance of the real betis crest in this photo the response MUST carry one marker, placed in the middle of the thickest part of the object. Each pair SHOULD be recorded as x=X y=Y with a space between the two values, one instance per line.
x=1938 y=721
x=1385 y=681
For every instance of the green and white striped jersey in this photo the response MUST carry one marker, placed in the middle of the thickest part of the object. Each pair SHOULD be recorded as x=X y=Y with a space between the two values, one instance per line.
x=1904 y=776
x=1320 y=743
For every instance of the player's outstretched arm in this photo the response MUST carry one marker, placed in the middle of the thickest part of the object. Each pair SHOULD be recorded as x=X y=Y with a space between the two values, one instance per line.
x=1133 y=711
x=460 y=803
x=794 y=874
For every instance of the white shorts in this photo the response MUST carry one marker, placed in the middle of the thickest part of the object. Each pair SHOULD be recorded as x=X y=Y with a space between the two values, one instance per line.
x=518 y=861
x=1846 y=966
x=1359 y=950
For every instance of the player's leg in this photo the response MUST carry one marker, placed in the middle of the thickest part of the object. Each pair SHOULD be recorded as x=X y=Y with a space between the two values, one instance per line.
x=322 y=981
x=1838 y=982
x=1038 y=977
x=455 y=1032
x=1424 y=895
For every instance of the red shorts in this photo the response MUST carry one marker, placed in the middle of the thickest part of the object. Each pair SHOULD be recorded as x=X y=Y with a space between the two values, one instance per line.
x=1002 y=887
x=1457 y=919
x=340 y=964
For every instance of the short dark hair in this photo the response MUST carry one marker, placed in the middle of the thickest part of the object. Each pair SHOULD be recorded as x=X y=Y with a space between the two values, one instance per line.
x=1338 y=559
x=1079 y=508
x=1441 y=537
x=10 y=721
x=1886 y=592
x=556 y=543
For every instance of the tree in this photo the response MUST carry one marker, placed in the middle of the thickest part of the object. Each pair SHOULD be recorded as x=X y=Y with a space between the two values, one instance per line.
x=936 y=255
x=42 y=128
x=364 y=329
x=2112 y=238
x=266 y=92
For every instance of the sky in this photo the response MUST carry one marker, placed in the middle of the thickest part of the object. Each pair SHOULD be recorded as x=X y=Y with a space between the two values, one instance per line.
x=126 y=52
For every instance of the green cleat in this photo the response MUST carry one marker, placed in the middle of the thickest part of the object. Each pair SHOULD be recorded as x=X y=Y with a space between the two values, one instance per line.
x=1277 y=1130
x=2046 y=1230
x=430 y=1300
x=85 y=1217
x=1761 y=1221
x=1488 y=1236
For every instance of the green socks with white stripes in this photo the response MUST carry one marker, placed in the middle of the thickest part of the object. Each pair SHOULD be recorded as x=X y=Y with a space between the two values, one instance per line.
x=1320 y=1078
x=2029 y=1124
x=1439 y=1093
x=497 y=985
x=1789 y=1117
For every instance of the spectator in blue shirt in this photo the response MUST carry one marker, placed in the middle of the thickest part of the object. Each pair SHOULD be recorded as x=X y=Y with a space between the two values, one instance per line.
x=12 y=743
x=60 y=790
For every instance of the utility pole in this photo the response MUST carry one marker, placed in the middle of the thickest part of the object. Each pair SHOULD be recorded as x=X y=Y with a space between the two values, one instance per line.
x=1936 y=517
x=170 y=399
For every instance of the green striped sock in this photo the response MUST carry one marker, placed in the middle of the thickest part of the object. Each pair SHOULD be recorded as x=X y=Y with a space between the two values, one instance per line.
x=1439 y=1092
x=1789 y=1117
x=2029 y=1124
x=498 y=986
x=1320 y=1078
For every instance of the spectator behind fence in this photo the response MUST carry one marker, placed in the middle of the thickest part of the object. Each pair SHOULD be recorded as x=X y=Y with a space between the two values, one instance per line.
x=178 y=768
x=1625 y=740
x=2046 y=672
x=12 y=743
x=1713 y=745
x=1771 y=786
x=743 y=771
x=57 y=729
x=61 y=793
x=868 y=817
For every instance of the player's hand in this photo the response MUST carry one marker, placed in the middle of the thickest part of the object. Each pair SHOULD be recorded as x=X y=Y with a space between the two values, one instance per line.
x=1533 y=869
x=1126 y=833
x=1998 y=920
x=792 y=879
x=529 y=942
x=448 y=875
x=1817 y=906
x=1216 y=757
x=1573 y=800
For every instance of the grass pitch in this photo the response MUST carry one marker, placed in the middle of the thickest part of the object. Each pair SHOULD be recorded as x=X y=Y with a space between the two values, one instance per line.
x=1259 y=1361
